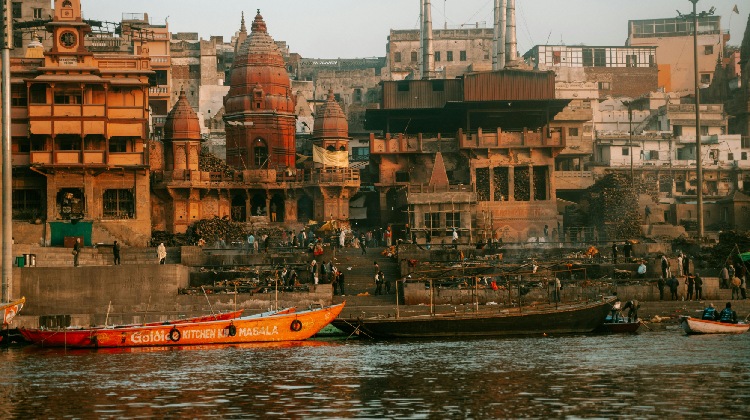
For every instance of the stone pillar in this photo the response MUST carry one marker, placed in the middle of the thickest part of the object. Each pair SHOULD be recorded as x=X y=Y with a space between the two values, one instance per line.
x=511 y=183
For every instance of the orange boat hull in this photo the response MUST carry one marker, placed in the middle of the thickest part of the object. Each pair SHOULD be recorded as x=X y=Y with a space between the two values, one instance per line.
x=292 y=326
x=10 y=309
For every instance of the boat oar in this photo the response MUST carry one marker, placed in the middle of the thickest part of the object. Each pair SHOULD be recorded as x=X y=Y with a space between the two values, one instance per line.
x=644 y=324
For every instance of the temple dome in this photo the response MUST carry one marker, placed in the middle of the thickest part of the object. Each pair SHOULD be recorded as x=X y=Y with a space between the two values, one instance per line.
x=330 y=120
x=259 y=79
x=182 y=122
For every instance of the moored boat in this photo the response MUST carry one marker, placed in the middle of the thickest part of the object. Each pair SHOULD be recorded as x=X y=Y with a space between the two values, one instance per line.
x=11 y=309
x=618 y=326
x=275 y=326
x=704 y=326
x=547 y=319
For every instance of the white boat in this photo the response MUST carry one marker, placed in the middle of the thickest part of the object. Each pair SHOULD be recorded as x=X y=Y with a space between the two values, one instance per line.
x=704 y=326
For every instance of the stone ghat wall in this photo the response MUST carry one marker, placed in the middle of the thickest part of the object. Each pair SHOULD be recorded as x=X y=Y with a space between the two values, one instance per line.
x=133 y=294
x=417 y=293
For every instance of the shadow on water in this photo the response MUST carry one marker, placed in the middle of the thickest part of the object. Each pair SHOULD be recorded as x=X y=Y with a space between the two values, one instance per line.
x=655 y=375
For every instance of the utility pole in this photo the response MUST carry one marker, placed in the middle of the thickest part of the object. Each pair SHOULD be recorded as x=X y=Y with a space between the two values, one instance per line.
x=7 y=236
x=698 y=151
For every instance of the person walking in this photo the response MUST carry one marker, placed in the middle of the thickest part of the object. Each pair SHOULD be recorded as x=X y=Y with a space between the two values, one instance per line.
x=116 y=253
x=161 y=253
x=77 y=249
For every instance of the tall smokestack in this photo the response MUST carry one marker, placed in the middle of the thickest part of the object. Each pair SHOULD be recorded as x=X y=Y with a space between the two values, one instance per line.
x=428 y=56
x=498 y=54
x=510 y=33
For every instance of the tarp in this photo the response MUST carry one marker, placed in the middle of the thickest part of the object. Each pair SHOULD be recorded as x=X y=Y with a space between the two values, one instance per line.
x=339 y=159
x=745 y=256
x=357 y=213
x=357 y=202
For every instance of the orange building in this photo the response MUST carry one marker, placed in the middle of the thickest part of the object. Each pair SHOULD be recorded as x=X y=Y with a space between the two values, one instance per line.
x=264 y=185
x=79 y=130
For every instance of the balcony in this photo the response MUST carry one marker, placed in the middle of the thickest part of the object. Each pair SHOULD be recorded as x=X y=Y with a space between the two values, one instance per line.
x=76 y=157
x=158 y=90
x=508 y=139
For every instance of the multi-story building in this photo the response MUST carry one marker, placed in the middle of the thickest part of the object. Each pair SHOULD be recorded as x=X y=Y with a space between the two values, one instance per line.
x=475 y=154
x=456 y=51
x=79 y=136
x=673 y=39
x=29 y=20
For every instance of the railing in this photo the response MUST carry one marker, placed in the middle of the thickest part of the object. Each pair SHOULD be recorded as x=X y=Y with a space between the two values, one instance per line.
x=260 y=176
x=158 y=90
x=425 y=188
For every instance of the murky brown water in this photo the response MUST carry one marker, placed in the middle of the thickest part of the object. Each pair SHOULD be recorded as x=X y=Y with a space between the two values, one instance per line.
x=653 y=375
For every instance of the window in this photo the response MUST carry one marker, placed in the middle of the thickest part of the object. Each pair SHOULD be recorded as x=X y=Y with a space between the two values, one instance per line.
x=118 y=204
x=27 y=204
x=402 y=176
x=743 y=156
x=37 y=13
x=414 y=56
x=651 y=61
x=118 y=145
x=397 y=57
x=573 y=131
x=437 y=56
x=462 y=55
x=708 y=49
x=159 y=78
x=625 y=151
x=556 y=57
x=600 y=57
x=438 y=85
x=653 y=155
x=360 y=154
x=18 y=95
x=449 y=56
x=357 y=95
x=588 y=57
x=260 y=154
x=705 y=78
x=730 y=156
x=402 y=86
x=68 y=97
x=432 y=221
x=452 y=220
x=631 y=60
x=704 y=130
x=677 y=130
x=604 y=86
x=17 y=10
x=68 y=142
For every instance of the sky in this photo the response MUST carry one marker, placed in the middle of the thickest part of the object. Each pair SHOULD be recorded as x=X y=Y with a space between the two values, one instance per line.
x=360 y=28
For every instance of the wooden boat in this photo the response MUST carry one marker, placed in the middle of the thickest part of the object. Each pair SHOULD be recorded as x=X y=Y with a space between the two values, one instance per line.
x=703 y=326
x=619 y=325
x=265 y=327
x=549 y=319
x=10 y=309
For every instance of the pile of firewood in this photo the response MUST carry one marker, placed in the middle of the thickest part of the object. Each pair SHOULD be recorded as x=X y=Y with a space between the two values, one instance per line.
x=208 y=162
x=613 y=207
x=217 y=229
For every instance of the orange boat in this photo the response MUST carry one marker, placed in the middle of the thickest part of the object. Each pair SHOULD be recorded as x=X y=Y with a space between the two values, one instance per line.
x=265 y=327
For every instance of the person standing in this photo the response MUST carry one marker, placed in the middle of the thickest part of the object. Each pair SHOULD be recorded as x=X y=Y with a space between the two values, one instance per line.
x=455 y=238
x=680 y=270
x=378 y=284
x=342 y=239
x=387 y=283
x=724 y=277
x=632 y=306
x=685 y=265
x=673 y=285
x=116 y=252
x=428 y=239
x=363 y=244
x=161 y=253
x=77 y=249
x=313 y=270
x=627 y=250
x=273 y=212
x=736 y=282
x=251 y=243
x=660 y=284
x=556 y=292
x=698 y=287
x=388 y=234
x=665 y=267
x=341 y=283
x=690 y=282
x=614 y=253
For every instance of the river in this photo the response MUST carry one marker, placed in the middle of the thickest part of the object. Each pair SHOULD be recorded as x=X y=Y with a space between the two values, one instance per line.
x=662 y=374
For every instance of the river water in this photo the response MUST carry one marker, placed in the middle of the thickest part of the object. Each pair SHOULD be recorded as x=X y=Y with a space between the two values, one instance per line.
x=662 y=374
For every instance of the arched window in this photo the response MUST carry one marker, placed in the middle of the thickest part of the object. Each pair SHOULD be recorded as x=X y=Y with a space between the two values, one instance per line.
x=260 y=153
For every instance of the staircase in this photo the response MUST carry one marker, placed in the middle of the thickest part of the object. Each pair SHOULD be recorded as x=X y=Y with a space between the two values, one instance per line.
x=359 y=275
x=100 y=256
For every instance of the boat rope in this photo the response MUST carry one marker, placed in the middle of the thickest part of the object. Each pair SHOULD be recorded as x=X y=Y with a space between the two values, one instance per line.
x=209 y=302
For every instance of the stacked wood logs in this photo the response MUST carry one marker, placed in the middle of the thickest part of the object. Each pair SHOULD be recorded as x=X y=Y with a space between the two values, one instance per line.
x=613 y=207
x=208 y=162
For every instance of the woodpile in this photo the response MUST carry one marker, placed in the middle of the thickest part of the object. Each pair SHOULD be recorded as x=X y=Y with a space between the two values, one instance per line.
x=613 y=207
x=218 y=229
x=521 y=184
x=208 y=162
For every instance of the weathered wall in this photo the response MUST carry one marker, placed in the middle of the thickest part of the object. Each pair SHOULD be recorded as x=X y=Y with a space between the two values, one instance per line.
x=132 y=294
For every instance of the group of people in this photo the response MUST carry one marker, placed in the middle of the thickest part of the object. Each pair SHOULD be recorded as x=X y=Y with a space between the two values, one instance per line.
x=727 y=314
x=327 y=272
x=734 y=276
x=627 y=250
x=693 y=282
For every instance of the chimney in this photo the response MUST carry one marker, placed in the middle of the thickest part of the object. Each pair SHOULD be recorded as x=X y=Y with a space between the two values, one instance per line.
x=498 y=54
x=427 y=68
x=510 y=32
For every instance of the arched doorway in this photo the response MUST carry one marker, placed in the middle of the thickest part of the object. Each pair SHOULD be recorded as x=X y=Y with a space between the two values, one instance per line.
x=239 y=210
x=304 y=208
x=277 y=208
x=258 y=204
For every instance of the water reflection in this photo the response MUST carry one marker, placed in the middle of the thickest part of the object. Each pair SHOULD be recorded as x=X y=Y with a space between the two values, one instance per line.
x=657 y=375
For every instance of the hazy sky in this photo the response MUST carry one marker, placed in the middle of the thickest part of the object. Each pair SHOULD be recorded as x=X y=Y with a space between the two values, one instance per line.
x=359 y=28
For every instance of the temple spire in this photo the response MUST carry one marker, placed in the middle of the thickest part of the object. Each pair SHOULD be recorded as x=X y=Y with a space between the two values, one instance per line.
x=243 y=28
